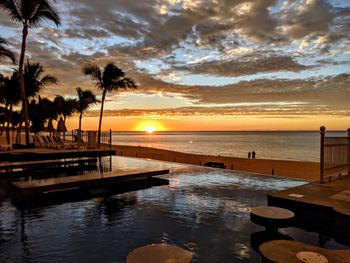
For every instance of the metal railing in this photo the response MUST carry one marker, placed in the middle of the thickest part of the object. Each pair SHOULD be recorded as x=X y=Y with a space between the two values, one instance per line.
x=334 y=156
x=88 y=139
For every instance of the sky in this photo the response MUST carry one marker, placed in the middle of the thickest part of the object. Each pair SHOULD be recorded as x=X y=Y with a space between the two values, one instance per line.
x=200 y=64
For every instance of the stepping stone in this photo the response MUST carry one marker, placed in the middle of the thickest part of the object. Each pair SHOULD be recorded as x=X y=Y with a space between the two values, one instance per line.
x=271 y=217
x=159 y=253
x=286 y=251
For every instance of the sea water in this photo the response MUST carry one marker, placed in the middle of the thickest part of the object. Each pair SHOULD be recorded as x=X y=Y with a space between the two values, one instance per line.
x=279 y=145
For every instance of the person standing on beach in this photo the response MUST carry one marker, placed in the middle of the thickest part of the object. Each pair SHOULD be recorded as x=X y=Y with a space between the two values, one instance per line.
x=249 y=155
x=253 y=154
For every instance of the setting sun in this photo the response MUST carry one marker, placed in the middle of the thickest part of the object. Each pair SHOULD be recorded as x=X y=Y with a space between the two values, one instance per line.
x=150 y=126
x=149 y=129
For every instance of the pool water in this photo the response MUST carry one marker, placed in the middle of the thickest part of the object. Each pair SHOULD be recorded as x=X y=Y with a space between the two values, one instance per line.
x=204 y=210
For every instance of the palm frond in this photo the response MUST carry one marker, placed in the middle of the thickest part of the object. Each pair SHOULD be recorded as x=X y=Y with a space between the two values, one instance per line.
x=45 y=11
x=48 y=79
x=11 y=7
x=96 y=75
x=4 y=52
x=35 y=80
x=125 y=83
x=111 y=74
x=86 y=98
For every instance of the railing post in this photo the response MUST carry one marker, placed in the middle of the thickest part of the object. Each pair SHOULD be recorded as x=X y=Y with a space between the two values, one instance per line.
x=110 y=139
x=322 y=132
x=348 y=151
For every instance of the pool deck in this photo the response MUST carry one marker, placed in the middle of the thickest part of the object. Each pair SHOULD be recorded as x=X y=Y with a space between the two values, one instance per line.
x=10 y=166
x=335 y=195
x=37 y=154
x=286 y=251
x=324 y=207
x=44 y=186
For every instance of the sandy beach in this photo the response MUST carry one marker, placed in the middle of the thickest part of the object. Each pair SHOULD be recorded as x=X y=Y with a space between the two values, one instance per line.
x=292 y=169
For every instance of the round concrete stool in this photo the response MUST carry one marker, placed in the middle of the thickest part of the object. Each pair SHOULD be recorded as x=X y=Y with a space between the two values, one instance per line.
x=159 y=253
x=271 y=217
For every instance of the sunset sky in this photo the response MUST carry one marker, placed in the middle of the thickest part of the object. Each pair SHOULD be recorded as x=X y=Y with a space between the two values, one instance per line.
x=202 y=65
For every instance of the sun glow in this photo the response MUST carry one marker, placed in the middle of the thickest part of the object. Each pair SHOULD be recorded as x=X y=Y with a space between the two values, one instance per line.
x=149 y=126
x=149 y=129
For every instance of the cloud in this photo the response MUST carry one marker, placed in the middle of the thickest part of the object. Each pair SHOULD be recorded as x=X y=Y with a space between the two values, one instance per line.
x=326 y=90
x=307 y=17
x=286 y=111
x=249 y=64
x=228 y=38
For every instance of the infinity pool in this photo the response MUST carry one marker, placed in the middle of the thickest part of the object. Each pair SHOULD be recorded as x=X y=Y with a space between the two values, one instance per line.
x=203 y=210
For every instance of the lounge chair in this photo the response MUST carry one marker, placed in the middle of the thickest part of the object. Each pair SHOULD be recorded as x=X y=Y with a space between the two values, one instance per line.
x=37 y=142
x=54 y=143
x=59 y=141
x=44 y=142
x=5 y=147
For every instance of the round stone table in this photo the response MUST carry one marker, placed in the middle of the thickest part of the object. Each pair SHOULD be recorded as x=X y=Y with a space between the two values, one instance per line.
x=271 y=217
x=159 y=253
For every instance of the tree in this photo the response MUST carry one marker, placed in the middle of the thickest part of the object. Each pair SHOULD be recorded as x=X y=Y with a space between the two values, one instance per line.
x=66 y=107
x=35 y=79
x=110 y=79
x=40 y=111
x=10 y=97
x=86 y=98
x=4 y=52
x=29 y=13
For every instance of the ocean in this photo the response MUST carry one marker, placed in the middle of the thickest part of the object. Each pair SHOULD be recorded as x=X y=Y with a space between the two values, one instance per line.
x=279 y=145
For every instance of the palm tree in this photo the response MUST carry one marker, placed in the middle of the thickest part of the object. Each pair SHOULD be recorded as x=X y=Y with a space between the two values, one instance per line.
x=86 y=98
x=4 y=52
x=10 y=95
x=37 y=114
x=65 y=106
x=29 y=13
x=40 y=111
x=34 y=80
x=111 y=79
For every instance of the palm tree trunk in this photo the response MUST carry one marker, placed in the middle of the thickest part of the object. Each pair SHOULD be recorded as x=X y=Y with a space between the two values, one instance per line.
x=79 y=131
x=64 y=121
x=8 y=119
x=19 y=129
x=21 y=80
x=100 y=122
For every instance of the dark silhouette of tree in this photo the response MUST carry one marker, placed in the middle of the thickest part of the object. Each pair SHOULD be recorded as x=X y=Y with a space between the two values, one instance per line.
x=111 y=78
x=35 y=79
x=65 y=106
x=10 y=96
x=29 y=13
x=86 y=98
x=2 y=118
x=4 y=52
x=15 y=120
x=40 y=111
